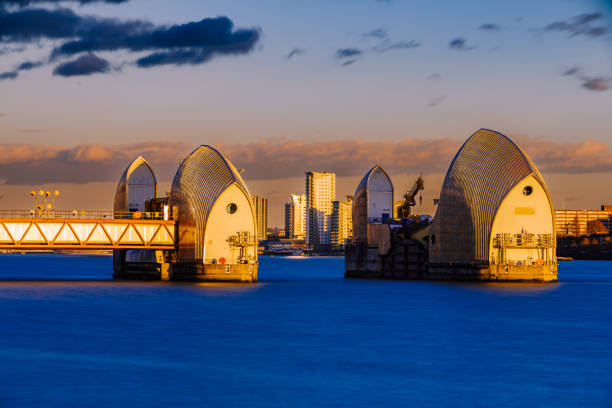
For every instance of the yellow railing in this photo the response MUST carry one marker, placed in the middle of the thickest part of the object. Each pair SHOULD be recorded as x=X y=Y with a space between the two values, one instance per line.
x=526 y=240
x=82 y=214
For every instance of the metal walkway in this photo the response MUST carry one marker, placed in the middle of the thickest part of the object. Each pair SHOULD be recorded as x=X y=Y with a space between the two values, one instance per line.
x=85 y=230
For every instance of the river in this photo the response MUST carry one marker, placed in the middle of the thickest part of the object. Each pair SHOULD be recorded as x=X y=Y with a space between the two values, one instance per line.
x=303 y=336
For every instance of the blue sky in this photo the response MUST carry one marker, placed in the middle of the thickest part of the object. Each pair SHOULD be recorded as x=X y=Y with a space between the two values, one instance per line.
x=509 y=79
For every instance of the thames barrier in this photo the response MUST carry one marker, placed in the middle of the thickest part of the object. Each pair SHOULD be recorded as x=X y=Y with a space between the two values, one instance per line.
x=204 y=230
x=495 y=221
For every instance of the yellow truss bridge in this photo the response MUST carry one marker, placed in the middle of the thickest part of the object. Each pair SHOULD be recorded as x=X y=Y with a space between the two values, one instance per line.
x=85 y=230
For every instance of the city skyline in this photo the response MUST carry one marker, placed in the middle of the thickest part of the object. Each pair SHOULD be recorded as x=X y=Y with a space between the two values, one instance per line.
x=373 y=84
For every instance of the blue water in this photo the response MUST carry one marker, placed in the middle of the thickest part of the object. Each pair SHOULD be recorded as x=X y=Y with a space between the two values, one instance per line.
x=302 y=337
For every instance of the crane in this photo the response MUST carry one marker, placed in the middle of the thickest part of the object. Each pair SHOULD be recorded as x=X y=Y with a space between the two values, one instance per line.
x=404 y=210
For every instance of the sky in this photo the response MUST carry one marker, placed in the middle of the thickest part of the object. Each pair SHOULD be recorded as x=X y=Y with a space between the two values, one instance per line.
x=283 y=87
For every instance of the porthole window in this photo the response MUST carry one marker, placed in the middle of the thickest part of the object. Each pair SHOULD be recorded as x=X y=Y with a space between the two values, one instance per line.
x=232 y=208
x=527 y=190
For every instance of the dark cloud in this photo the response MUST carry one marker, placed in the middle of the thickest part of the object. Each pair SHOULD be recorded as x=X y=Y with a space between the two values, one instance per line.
x=33 y=24
x=295 y=52
x=583 y=24
x=84 y=65
x=191 y=43
x=400 y=45
x=28 y=65
x=23 y=3
x=24 y=164
x=460 y=43
x=343 y=53
x=8 y=75
x=378 y=33
x=597 y=84
x=434 y=77
x=489 y=27
x=349 y=62
x=571 y=71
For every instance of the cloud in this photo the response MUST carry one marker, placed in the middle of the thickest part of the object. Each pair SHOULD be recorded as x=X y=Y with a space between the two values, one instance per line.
x=571 y=71
x=9 y=50
x=436 y=101
x=295 y=52
x=434 y=77
x=28 y=65
x=23 y=3
x=30 y=131
x=400 y=45
x=84 y=65
x=23 y=164
x=8 y=75
x=489 y=27
x=348 y=53
x=378 y=33
x=385 y=43
x=348 y=56
x=583 y=24
x=266 y=160
x=28 y=25
x=461 y=44
x=192 y=43
x=597 y=84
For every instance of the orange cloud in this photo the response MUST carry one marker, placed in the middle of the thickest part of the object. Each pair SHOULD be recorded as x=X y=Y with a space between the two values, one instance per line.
x=268 y=160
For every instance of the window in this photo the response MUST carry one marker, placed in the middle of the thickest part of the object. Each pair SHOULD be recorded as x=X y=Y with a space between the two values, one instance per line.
x=527 y=190
x=232 y=208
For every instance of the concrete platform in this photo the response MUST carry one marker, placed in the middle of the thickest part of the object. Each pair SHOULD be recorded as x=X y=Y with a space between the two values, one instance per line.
x=246 y=273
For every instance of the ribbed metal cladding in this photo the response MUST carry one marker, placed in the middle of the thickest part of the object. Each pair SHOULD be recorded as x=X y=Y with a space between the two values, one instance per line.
x=202 y=177
x=360 y=205
x=482 y=173
x=121 y=198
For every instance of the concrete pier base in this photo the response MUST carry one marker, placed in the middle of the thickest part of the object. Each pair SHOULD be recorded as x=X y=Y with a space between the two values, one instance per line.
x=246 y=273
x=407 y=260
x=138 y=271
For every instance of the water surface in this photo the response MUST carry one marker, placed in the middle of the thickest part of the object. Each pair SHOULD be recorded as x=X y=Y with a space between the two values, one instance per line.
x=303 y=336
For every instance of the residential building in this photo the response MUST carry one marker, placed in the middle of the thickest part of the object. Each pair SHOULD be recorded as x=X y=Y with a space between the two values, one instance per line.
x=295 y=217
x=341 y=222
x=320 y=192
x=576 y=223
x=261 y=215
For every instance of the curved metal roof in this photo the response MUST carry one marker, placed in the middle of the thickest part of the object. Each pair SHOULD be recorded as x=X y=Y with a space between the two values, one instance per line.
x=121 y=192
x=483 y=172
x=360 y=204
x=366 y=178
x=201 y=178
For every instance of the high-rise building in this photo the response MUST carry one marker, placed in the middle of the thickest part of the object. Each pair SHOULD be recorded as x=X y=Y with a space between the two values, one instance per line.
x=295 y=217
x=341 y=222
x=320 y=192
x=261 y=215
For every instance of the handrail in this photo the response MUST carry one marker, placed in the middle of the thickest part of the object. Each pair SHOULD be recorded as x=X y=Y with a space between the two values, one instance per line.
x=83 y=214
